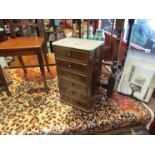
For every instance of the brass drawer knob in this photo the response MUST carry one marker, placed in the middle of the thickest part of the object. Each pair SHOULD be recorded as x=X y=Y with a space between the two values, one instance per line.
x=68 y=54
x=69 y=66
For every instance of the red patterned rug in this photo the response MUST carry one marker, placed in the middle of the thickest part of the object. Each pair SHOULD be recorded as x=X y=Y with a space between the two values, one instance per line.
x=29 y=110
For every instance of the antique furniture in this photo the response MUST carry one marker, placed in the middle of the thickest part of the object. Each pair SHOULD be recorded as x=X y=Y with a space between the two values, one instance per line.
x=21 y=46
x=78 y=64
x=3 y=82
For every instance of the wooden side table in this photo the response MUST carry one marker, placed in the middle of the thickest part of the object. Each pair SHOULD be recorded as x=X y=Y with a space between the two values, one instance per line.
x=22 y=46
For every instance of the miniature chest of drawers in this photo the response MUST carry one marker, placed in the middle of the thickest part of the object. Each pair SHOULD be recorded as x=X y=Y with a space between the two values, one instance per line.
x=78 y=65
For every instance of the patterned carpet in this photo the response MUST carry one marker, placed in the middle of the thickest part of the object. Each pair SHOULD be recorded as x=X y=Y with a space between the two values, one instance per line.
x=30 y=110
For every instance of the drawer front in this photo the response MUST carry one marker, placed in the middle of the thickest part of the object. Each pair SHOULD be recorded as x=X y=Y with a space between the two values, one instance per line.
x=69 y=83
x=73 y=92
x=74 y=100
x=78 y=55
x=80 y=68
x=65 y=74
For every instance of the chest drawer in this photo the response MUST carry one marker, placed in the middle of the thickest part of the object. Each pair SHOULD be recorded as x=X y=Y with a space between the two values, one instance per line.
x=74 y=54
x=80 y=68
x=73 y=93
x=66 y=74
x=74 y=100
x=71 y=84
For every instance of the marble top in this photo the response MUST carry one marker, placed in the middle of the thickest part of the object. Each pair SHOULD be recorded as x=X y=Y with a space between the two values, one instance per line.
x=78 y=43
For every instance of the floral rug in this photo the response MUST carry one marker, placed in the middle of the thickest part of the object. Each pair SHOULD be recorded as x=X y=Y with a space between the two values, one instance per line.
x=29 y=110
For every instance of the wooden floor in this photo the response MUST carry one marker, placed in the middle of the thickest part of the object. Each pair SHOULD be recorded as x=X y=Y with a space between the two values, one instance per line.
x=32 y=60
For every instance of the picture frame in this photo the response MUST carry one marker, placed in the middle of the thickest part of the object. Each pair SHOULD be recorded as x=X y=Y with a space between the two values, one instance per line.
x=139 y=71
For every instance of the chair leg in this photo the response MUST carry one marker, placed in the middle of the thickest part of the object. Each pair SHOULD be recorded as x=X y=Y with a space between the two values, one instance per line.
x=4 y=82
x=41 y=65
x=45 y=57
x=7 y=90
x=22 y=64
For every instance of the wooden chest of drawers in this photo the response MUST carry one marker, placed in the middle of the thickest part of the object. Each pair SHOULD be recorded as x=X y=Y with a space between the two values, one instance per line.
x=78 y=65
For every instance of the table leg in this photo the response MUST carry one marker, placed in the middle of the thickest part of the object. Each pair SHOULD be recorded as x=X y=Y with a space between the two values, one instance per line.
x=41 y=65
x=51 y=46
x=22 y=64
x=45 y=57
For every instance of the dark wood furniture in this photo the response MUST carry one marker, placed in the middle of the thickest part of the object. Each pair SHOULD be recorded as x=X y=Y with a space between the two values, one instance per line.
x=21 y=46
x=78 y=64
x=3 y=82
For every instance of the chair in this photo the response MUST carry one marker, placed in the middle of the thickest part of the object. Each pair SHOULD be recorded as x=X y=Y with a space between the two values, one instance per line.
x=21 y=46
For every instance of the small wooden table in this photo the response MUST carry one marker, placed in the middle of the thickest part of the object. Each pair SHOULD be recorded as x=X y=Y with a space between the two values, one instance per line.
x=22 y=46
